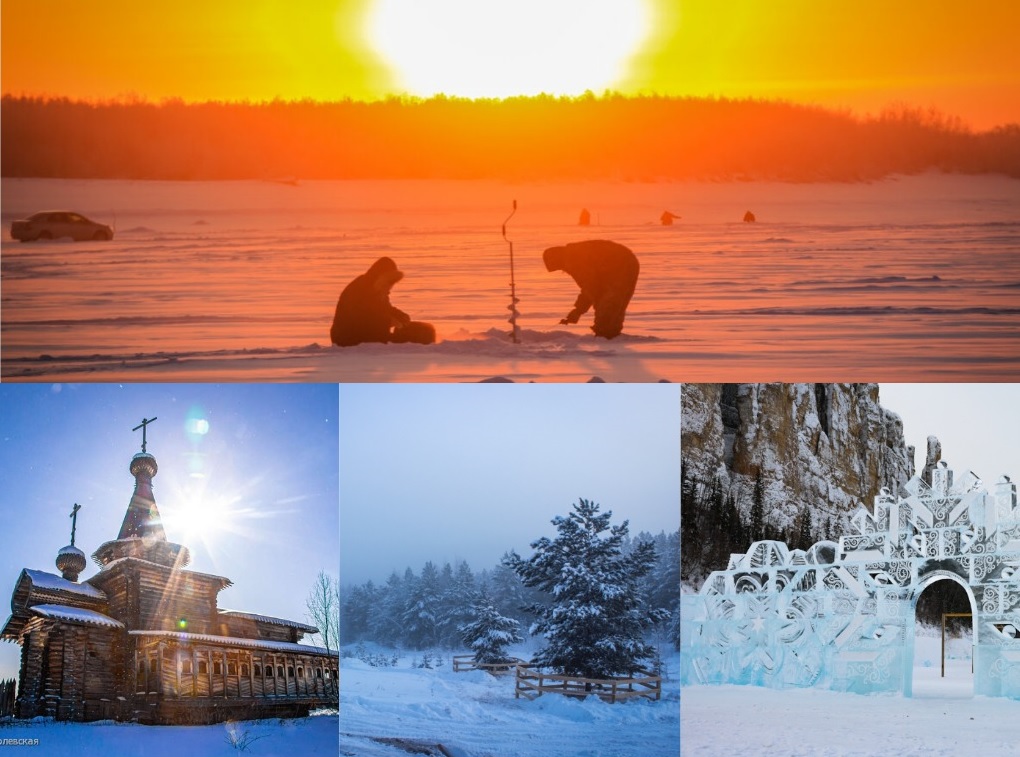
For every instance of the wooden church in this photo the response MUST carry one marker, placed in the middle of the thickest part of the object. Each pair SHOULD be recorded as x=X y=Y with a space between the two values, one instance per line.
x=144 y=639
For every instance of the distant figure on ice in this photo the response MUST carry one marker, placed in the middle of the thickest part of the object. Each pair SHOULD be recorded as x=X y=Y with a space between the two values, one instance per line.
x=585 y=219
x=606 y=272
x=667 y=218
x=364 y=313
x=749 y=217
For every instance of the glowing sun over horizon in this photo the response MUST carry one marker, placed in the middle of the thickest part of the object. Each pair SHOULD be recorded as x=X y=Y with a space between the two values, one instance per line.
x=469 y=48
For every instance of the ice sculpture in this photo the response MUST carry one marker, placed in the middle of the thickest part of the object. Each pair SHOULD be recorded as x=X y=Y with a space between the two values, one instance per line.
x=841 y=616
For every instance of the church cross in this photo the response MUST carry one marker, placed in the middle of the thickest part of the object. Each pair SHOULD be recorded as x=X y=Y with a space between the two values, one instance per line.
x=74 y=520
x=145 y=422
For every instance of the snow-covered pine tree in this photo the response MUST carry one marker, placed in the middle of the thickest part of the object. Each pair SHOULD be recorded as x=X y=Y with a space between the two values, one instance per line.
x=595 y=622
x=420 y=622
x=489 y=633
x=509 y=595
x=386 y=616
x=357 y=603
x=674 y=625
x=455 y=604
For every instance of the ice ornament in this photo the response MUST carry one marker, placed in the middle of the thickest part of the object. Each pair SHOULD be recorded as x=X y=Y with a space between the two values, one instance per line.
x=840 y=615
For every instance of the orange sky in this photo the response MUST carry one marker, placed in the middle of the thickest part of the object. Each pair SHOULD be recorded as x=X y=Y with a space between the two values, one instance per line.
x=959 y=57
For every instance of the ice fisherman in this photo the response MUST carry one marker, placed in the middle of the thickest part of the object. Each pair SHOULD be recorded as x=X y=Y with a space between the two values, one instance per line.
x=364 y=313
x=606 y=272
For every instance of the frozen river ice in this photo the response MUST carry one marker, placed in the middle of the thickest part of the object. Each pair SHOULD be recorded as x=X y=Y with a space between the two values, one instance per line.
x=912 y=278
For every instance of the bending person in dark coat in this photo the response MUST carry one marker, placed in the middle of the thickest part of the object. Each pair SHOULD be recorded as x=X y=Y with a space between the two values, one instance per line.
x=606 y=272
x=364 y=313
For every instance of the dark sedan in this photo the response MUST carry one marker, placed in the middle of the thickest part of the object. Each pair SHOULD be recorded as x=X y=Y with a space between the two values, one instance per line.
x=56 y=224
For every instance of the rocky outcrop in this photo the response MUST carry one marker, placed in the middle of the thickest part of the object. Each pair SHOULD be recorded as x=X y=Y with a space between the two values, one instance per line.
x=829 y=447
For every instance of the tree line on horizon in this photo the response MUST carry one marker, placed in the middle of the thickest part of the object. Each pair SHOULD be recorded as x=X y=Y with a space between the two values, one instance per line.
x=613 y=137
x=429 y=609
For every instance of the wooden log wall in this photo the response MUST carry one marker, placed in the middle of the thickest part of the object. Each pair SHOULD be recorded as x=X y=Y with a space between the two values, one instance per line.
x=53 y=672
x=250 y=628
x=7 y=697
x=100 y=674
x=152 y=598
x=33 y=669
x=71 y=705
x=178 y=669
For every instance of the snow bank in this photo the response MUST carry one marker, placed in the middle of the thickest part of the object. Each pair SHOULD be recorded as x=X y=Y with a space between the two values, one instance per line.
x=477 y=713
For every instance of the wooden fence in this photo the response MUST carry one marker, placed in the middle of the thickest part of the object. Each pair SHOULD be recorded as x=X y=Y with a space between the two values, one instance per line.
x=7 y=693
x=462 y=662
x=532 y=682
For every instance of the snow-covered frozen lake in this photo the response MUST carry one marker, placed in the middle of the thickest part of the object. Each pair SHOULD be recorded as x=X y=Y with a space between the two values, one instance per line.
x=911 y=278
x=476 y=713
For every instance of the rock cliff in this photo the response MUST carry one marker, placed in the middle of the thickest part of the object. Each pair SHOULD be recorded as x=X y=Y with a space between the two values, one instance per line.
x=829 y=447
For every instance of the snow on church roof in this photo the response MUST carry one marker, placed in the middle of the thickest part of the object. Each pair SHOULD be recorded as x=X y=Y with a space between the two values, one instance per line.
x=43 y=580
x=235 y=641
x=77 y=615
x=271 y=620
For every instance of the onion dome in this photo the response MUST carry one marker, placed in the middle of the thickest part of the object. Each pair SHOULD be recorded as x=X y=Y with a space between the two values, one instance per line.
x=143 y=463
x=141 y=534
x=70 y=562
x=142 y=518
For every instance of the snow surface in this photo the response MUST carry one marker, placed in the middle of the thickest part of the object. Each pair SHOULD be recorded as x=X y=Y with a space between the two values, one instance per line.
x=44 y=580
x=314 y=736
x=271 y=620
x=76 y=614
x=911 y=278
x=942 y=718
x=476 y=713
x=237 y=641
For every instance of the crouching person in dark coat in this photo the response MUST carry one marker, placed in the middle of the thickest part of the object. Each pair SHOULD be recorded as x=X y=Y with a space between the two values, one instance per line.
x=364 y=313
x=606 y=272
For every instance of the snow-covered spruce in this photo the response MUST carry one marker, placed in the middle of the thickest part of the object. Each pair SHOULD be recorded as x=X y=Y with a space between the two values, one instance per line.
x=595 y=623
x=421 y=623
x=489 y=633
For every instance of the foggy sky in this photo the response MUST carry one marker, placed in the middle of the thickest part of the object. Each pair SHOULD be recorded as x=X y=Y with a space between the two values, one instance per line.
x=978 y=425
x=466 y=472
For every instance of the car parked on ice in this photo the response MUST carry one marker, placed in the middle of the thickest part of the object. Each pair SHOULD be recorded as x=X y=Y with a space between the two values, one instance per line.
x=56 y=224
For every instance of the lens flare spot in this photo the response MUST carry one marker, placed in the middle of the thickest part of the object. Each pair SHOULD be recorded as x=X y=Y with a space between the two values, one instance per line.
x=198 y=426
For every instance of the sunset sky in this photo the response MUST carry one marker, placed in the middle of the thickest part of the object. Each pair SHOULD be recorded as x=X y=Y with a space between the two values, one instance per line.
x=960 y=58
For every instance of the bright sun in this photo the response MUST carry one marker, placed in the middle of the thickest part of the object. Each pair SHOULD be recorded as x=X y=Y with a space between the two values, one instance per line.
x=479 y=48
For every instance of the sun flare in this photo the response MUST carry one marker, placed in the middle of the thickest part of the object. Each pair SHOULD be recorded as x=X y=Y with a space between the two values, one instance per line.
x=474 y=48
x=198 y=517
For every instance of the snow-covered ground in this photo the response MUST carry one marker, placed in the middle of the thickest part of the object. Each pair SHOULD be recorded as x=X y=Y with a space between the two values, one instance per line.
x=314 y=736
x=911 y=278
x=475 y=714
x=942 y=718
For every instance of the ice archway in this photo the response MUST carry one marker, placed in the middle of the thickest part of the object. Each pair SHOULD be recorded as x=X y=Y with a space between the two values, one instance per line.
x=841 y=616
